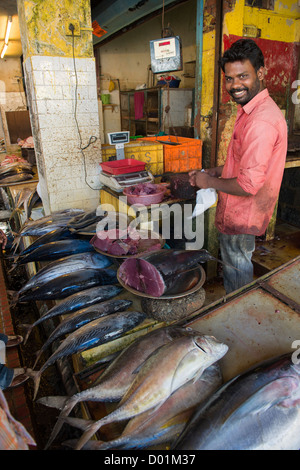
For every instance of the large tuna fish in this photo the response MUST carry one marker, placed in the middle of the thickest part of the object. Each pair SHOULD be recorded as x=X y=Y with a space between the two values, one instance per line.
x=162 y=425
x=57 y=249
x=81 y=317
x=118 y=376
x=156 y=273
x=163 y=373
x=66 y=265
x=258 y=410
x=76 y=302
x=92 y=334
x=68 y=284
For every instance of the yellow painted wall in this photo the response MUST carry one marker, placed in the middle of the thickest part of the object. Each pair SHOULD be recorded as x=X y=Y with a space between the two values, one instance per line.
x=43 y=27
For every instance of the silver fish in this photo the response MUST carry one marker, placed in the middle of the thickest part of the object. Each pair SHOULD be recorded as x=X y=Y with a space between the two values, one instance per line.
x=162 y=425
x=81 y=317
x=257 y=410
x=93 y=334
x=76 y=302
x=67 y=265
x=118 y=376
x=163 y=373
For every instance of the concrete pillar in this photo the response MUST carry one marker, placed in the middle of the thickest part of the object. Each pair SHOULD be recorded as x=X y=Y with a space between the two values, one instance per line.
x=61 y=91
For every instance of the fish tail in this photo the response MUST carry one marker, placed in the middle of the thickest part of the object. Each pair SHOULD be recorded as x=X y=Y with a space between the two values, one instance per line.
x=38 y=355
x=28 y=328
x=61 y=419
x=36 y=379
x=91 y=430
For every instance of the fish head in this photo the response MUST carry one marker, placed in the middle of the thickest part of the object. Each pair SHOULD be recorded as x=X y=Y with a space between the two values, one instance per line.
x=211 y=346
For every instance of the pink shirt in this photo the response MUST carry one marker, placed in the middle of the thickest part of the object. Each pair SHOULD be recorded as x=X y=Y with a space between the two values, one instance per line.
x=256 y=157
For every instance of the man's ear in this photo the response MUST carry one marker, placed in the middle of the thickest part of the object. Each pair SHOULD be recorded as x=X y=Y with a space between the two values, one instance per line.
x=261 y=73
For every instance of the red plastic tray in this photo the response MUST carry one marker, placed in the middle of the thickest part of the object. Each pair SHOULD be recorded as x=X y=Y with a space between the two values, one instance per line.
x=119 y=167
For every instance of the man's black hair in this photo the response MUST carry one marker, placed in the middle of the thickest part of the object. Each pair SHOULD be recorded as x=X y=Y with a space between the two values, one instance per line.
x=241 y=50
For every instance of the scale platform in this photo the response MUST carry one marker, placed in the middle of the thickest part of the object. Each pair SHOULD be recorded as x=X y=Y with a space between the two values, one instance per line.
x=119 y=182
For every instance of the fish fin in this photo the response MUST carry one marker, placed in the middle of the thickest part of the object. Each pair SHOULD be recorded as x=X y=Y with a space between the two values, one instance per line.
x=36 y=375
x=66 y=410
x=79 y=423
x=57 y=402
x=38 y=355
x=90 y=445
x=136 y=371
x=270 y=395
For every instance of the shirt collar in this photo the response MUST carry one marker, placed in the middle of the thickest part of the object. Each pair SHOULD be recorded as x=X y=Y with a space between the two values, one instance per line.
x=248 y=108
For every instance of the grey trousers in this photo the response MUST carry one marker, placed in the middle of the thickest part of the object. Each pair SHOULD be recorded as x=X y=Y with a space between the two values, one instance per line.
x=236 y=250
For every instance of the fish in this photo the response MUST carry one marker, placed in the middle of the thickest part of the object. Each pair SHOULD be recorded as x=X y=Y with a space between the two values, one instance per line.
x=17 y=177
x=37 y=228
x=75 y=302
x=81 y=317
x=92 y=334
x=156 y=273
x=83 y=220
x=68 y=284
x=19 y=200
x=56 y=234
x=118 y=376
x=256 y=410
x=162 y=374
x=161 y=425
x=65 y=266
x=30 y=202
x=56 y=250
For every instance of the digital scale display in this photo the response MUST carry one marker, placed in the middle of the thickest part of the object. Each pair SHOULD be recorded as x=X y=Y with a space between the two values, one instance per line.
x=166 y=55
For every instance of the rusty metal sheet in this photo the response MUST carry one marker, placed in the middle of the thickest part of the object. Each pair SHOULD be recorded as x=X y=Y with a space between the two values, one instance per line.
x=287 y=281
x=255 y=326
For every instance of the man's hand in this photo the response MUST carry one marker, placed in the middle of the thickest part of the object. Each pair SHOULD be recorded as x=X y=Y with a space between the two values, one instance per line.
x=200 y=179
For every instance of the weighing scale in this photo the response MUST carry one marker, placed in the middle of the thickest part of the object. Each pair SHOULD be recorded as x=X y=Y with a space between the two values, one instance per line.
x=123 y=172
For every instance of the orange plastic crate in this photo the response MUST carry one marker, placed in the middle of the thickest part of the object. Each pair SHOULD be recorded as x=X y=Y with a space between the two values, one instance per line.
x=180 y=153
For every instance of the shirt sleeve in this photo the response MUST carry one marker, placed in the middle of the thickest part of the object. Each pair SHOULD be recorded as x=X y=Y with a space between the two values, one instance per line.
x=257 y=144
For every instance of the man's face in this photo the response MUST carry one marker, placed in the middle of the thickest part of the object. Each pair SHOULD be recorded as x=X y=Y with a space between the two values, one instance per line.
x=242 y=81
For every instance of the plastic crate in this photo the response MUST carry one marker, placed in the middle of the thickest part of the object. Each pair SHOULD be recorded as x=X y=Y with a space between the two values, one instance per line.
x=180 y=153
x=151 y=153
x=120 y=167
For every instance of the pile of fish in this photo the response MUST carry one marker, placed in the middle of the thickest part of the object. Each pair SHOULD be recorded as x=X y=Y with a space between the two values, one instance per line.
x=143 y=379
x=258 y=410
x=15 y=172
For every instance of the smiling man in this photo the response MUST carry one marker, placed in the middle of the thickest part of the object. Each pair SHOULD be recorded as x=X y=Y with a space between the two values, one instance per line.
x=249 y=182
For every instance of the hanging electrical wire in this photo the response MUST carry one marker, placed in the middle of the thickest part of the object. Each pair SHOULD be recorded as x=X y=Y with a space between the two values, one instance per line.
x=93 y=138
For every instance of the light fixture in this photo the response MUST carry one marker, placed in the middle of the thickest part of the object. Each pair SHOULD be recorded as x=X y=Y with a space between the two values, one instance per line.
x=8 y=27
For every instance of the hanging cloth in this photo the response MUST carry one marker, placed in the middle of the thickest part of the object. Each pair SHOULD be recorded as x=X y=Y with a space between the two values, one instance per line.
x=139 y=99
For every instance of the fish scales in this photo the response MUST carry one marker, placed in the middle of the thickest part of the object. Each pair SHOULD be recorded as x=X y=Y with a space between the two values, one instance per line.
x=179 y=361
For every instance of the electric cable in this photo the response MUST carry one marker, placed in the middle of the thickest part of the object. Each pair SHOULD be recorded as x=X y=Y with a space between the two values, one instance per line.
x=93 y=138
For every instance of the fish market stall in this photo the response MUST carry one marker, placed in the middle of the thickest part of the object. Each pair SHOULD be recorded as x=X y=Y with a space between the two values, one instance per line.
x=258 y=322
